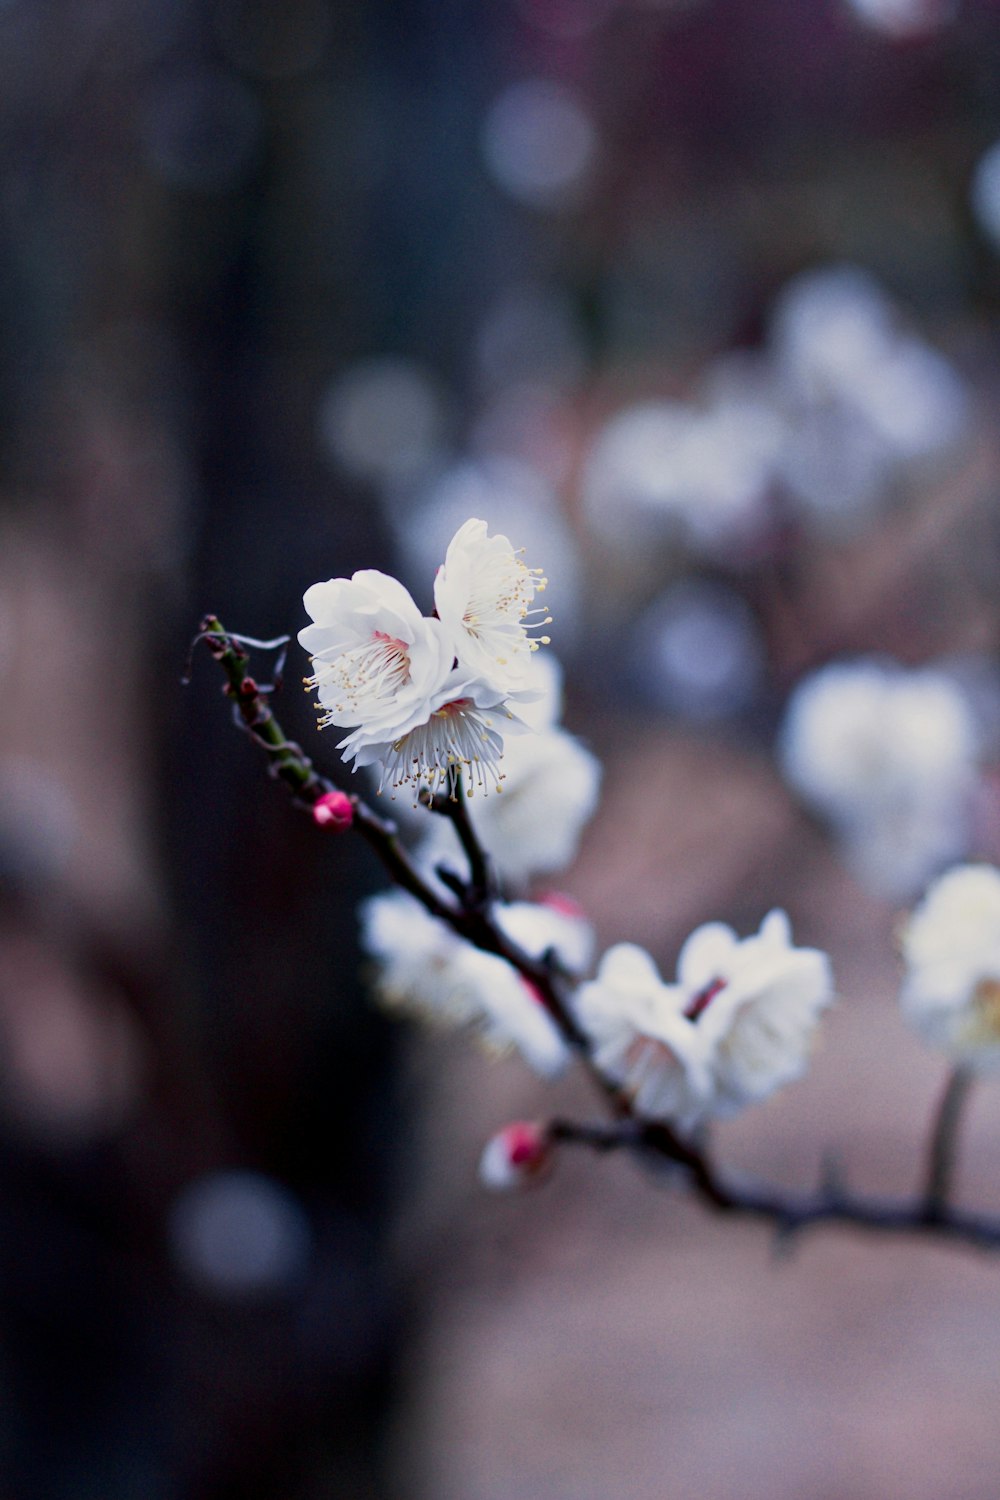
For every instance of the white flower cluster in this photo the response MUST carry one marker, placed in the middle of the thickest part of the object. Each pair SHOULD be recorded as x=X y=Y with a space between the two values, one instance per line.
x=888 y=757
x=736 y=1025
x=841 y=405
x=425 y=698
x=417 y=695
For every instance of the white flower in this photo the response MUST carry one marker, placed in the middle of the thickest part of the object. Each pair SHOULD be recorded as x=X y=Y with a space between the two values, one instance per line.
x=376 y=659
x=756 y=1003
x=550 y=792
x=388 y=675
x=461 y=728
x=483 y=593
x=888 y=756
x=951 y=948
x=554 y=922
x=426 y=968
x=737 y=1025
x=642 y=1039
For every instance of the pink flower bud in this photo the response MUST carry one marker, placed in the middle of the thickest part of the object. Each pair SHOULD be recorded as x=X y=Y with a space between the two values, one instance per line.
x=516 y=1156
x=333 y=810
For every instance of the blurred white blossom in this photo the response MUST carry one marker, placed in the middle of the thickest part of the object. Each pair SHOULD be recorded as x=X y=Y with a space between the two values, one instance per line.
x=889 y=757
x=550 y=791
x=864 y=399
x=426 y=968
x=539 y=142
x=697 y=652
x=669 y=471
x=737 y=1025
x=642 y=1039
x=383 y=419
x=756 y=1003
x=951 y=948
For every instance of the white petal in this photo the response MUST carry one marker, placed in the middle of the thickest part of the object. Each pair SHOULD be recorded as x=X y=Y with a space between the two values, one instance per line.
x=705 y=955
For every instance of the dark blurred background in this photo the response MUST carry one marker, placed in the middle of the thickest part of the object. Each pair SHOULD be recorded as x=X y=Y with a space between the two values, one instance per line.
x=698 y=300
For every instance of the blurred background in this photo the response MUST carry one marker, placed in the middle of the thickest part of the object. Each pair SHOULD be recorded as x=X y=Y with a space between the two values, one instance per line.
x=698 y=301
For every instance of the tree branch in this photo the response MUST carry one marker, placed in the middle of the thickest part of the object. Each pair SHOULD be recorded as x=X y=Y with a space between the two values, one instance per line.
x=832 y=1203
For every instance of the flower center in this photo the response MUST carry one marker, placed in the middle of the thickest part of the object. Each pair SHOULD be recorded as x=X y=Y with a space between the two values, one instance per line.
x=703 y=999
x=360 y=678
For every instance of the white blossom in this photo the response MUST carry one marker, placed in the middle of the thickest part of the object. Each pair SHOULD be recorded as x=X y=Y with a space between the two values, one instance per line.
x=426 y=968
x=756 y=1002
x=641 y=1038
x=376 y=659
x=483 y=593
x=888 y=757
x=951 y=949
x=553 y=922
x=736 y=1025
x=425 y=698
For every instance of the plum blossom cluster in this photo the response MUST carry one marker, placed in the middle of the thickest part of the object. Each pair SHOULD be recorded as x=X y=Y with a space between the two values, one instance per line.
x=842 y=408
x=425 y=698
x=417 y=695
x=737 y=1024
x=469 y=941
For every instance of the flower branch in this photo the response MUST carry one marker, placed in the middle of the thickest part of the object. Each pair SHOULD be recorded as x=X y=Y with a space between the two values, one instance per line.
x=832 y=1203
x=436 y=705
x=472 y=916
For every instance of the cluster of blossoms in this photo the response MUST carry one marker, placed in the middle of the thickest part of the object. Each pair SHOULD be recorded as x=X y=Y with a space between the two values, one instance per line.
x=425 y=698
x=428 y=699
x=839 y=411
x=736 y=1025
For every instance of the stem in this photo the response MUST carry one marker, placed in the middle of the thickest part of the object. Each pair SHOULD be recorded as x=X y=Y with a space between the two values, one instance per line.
x=482 y=884
x=942 y=1147
x=289 y=762
x=790 y=1212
